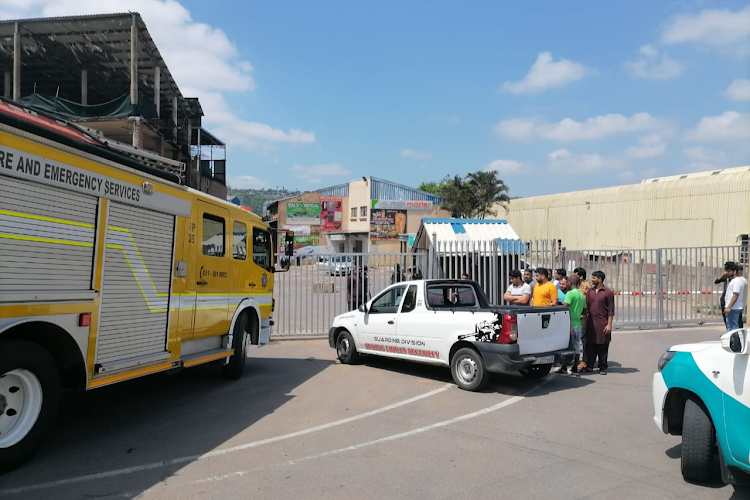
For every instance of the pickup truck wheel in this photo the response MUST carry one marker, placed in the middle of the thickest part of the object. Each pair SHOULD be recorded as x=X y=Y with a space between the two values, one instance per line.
x=468 y=369
x=699 y=450
x=345 y=348
x=536 y=372
x=29 y=396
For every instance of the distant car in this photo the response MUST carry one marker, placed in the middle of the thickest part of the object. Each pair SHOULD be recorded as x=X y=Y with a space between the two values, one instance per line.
x=336 y=265
x=702 y=392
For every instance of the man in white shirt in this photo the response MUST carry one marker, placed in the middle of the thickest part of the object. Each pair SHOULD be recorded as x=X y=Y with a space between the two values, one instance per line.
x=519 y=292
x=735 y=298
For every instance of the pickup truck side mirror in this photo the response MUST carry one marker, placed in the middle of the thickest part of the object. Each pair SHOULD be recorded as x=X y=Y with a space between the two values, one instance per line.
x=362 y=308
x=735 y=342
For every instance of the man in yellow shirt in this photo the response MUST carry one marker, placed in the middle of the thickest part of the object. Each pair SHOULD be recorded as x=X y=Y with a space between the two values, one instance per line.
x=545 y=293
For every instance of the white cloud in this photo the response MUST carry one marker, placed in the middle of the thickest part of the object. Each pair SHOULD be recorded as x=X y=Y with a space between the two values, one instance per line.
x=649 y=146
x=315 y=174
x=203 y=60
x=739 y=90
x=705 y=155
x=729 y=126
x=546 y=74
x=704 y=159
x=247 y=182
x=719 y=28
x=568 y=130
x=509 y=167
x=653 y=65
x=415 y=155
x=562 y=160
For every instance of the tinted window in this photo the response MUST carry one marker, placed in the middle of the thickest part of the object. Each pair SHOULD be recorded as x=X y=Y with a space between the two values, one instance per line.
x=213 y=235
x=239 y=240
x=451 y=295
x=261 y=248
x=410 y=300
x=388 y=302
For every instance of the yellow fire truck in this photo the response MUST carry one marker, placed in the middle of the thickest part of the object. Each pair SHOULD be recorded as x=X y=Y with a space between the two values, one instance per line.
x=111 y=270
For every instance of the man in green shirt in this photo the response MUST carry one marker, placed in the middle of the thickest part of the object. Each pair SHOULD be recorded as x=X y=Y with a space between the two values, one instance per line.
x=576 y=304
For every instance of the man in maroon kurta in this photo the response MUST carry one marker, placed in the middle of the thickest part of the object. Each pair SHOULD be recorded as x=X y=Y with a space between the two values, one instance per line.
x=600 y=302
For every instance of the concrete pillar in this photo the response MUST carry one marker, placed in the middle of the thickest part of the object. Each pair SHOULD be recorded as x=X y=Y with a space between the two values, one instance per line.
x=157 y=90
x=133 y=61
x=84 y=87
x=7 y=89
x=17 y=63
x=137 y=131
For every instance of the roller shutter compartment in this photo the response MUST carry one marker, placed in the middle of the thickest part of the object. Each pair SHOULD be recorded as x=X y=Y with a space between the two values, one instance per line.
x=135 y=287
x=47 y=237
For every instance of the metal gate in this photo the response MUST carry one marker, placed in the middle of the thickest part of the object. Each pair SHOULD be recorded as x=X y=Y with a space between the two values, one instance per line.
x=652 y=287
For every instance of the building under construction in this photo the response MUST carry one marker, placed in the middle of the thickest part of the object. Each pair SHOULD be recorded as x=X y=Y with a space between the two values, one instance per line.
x=106 y=74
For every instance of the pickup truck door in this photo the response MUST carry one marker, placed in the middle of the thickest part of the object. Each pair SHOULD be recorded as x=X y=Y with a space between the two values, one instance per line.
x=377 y=328
x=736 y=396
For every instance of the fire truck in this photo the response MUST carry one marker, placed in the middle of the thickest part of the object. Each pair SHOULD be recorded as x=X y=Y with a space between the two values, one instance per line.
x=110 y=269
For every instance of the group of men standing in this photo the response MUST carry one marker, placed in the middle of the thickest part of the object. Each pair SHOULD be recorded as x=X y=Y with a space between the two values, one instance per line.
x=591 y=306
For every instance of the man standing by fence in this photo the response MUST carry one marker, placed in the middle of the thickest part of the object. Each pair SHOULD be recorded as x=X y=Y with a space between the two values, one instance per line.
x=724 y=279
x=600 y=302
x=518 y=293
x=735 y=298
x=576 y=303
x=544 y=293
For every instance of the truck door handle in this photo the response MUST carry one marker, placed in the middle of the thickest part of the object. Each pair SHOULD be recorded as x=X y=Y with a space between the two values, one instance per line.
x=251 y=284
x=201 y=283
x=391 y=322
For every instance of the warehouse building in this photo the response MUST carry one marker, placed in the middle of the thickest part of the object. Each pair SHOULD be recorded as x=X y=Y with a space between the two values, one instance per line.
x=692 y=210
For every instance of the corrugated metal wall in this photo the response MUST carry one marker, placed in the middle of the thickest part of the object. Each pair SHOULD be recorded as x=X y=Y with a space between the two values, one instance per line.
x=618 y=217
x=384 y=190
x=340 y=190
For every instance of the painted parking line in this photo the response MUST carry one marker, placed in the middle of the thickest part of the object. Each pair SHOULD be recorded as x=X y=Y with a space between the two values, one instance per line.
x=215 y=453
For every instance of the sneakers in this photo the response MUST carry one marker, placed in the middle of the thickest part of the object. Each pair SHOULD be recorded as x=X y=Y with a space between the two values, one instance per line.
x=602 y=372
x=562 y=371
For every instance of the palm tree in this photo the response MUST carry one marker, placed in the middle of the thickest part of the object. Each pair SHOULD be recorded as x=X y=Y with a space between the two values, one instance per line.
x=456 y=197
x=486 y=189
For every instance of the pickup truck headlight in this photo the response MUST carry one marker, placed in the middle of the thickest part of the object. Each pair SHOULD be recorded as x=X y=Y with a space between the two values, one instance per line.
x=664 y=359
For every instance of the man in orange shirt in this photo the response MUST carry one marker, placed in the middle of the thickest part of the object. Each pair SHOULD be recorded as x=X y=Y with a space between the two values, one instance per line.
x=545 y=293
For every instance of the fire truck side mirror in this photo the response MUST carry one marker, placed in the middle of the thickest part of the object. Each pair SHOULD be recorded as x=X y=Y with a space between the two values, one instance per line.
x=289 y=244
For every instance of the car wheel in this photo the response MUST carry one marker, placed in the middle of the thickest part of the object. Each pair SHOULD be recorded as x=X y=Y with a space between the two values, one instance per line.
x=236 y=365
x=468 y=369
x=29 y=396
x=536 y=372
x=345 y=348
x=699 y=450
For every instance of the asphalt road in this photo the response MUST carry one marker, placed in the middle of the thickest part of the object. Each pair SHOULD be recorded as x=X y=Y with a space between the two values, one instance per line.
x=301 y=425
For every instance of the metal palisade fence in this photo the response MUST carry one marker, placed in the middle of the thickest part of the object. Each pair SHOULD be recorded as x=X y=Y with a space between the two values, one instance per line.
x=652 y=287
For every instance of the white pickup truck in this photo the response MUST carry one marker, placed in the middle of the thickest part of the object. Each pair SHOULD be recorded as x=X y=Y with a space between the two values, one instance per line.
x=451 y=323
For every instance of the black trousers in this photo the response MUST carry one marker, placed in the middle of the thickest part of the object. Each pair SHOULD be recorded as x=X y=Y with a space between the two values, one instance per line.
x=594 y=350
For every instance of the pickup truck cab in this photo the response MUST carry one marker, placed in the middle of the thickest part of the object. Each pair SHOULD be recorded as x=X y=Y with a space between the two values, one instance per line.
x=451 y=323
x=702 y=393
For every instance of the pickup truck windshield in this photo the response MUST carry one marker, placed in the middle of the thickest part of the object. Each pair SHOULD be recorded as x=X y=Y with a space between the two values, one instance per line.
x=450 y=295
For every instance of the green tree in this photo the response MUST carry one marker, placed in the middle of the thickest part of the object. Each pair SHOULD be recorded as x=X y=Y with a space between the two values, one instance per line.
x=486 y=189
x=457 y=199
x=433 y=187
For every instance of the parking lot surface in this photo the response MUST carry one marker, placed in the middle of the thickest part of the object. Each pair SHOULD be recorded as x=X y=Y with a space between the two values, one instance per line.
x=301 y=425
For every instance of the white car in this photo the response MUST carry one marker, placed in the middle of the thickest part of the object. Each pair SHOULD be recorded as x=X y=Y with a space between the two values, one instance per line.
x=702 y=392
x=451 y=323
x=337 y=265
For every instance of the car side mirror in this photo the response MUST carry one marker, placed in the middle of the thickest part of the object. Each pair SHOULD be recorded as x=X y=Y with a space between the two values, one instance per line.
x=362 y=308
x=735 y=342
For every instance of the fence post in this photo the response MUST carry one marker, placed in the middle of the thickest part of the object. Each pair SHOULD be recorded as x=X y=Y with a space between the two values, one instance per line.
x=659 y=289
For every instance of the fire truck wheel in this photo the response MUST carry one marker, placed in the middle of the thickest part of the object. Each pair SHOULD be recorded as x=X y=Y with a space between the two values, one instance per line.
x=29 y=396
x=233 y=370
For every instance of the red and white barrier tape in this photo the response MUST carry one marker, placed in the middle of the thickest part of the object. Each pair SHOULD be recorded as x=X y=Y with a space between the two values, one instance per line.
x=672 y=292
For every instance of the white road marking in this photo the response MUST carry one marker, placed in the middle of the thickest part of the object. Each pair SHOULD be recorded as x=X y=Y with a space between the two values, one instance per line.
x=215 y=453
x=393 y=437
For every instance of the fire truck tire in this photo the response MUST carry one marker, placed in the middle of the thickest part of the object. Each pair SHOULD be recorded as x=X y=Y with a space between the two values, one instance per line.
x=29 y=397
x=233 y=370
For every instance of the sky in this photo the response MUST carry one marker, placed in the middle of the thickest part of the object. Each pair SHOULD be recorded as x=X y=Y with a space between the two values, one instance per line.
x=554 y=96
